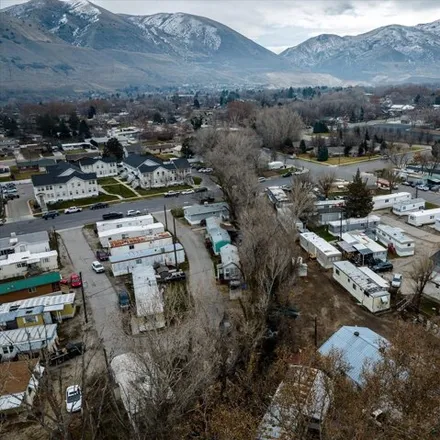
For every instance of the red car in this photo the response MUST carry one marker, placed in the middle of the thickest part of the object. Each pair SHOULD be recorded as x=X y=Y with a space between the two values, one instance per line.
x=75 y=280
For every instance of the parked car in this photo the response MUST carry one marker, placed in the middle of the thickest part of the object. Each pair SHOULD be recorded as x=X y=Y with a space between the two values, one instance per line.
x=171 y=194
x=73 y=398
x=71 y=350
x=9 y=190
x=98 y=267
x=175 y=276
x=435 y=188
x=72 y=210
x=102 y=255
x=201 y=189
x=75 y=280
x=112 y=215
x=133 y=212
x=261 y=179
x=288 y=174
x=397 y=280
x=187 y=191
x=382 y=266
x=208 y=199
x=11 y=196
x=406 y=183
x=123 y=300
x=50 y=214
x=100 y=205
x=422 y=187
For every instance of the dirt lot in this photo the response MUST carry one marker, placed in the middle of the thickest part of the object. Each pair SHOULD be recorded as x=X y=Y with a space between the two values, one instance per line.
x=319 y=295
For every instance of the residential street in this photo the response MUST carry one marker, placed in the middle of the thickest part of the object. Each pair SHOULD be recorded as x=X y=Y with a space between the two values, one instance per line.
x=101 y=296
x=201 y=271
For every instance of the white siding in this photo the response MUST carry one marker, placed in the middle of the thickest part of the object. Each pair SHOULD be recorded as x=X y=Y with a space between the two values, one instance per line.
x=101 y=168
x=141 y=220
x=17 y=264
x=403 y=245
x=143 y=242
x=74 y=189
x=325 y=253
x=426 y=217
x=387 y=201
x=129 y=232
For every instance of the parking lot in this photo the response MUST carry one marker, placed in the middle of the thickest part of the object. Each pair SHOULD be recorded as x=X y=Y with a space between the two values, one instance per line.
x=18 y=209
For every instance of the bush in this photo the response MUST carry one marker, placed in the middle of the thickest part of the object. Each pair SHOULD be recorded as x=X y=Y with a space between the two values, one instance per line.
x=197 y=180
x=177 y=212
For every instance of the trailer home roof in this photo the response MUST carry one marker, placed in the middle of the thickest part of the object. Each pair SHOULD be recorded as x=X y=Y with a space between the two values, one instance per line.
x=149 y=299
x=363 y=280
x=409 y=202
x=127 y=229
x=391 y=196
x=320 y=243
x=396 y=233
x=140 y=239
x=362 y=241
x=28 y=334
x=425 y=212
x=145 y=253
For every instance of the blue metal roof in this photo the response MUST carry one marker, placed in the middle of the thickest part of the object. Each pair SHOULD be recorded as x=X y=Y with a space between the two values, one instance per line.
x=358 y=351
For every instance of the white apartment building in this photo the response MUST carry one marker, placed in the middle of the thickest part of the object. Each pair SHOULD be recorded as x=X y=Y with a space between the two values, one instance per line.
x=152 y=172
x=106 y=237
x=64 y=182
x=140 y=220
x=20 y=264
x=35 y=242
x=403 y=245
x=119 y=247
x=102 y=167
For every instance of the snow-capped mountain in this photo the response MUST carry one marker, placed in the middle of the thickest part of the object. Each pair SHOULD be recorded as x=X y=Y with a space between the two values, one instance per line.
x=392 y=51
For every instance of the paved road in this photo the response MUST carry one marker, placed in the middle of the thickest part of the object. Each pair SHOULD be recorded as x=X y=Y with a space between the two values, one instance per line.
x=201 y=272
x=100 y=294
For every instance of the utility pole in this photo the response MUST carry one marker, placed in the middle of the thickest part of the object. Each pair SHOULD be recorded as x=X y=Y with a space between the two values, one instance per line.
x=174 y=240
x=83 y=298
x=316 y=331
x=166 y=217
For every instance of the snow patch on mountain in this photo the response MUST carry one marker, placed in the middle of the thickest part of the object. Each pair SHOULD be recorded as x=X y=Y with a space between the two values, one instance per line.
x=83 y=9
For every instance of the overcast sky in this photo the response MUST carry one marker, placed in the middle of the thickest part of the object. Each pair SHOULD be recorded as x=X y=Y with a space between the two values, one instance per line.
x=278 y=24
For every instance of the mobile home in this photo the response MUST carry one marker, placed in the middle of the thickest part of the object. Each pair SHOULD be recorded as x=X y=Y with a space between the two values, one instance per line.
x=363 y=284
x=389 y=200
x=325 y=253
x=125 y=232
x=139 y=220
x=437 y=223
x=23 y=263
x=27 y=340
x=407 y=206
x=365 y=245
x=337 y=227
x=425 y=217
x=118 y=247
x=403 y=245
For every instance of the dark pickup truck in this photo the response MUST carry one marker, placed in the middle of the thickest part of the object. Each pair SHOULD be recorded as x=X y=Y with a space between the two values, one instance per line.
x=71 y=350
x=102 y=255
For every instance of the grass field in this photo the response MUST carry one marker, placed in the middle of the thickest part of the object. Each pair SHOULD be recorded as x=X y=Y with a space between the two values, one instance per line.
x=197 y=180
x=322 y=232
x=429 y=205
x=154 y=191
x=82 y=202
x=340 y=160
x=107 y=181
x=120 y=190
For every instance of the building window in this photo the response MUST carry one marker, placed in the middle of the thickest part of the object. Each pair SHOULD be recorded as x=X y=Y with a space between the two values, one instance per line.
x=354 y=286
x=32 y=289
x=139 y=261
x=78 y=184
x=21 y=264
x=131 y=246
x=45 y=260
x=30 y=319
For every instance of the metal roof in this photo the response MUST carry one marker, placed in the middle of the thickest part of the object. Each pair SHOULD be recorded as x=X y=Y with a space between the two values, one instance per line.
x=359 y=347
x=132 y=255
x=153 y=227
x=28 y=334
x=33 y=237
x=149 y=300
x=362 y=239
x=27 y=283
x=140 y=239
x=396 y=233
x=409 y=202
x=130 y=221
x=211 y=208
x=320 y=243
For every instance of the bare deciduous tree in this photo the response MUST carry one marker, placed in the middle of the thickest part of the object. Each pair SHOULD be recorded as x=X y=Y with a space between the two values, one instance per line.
x=301 y=197
x=421 y=273
x=391 y=176
x=325 y=183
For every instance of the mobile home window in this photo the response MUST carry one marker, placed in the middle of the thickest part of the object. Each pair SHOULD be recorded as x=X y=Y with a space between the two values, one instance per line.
x=139 y=261
x=337 y=271
x=32 y=289
x=354 y=286
x=30 y=319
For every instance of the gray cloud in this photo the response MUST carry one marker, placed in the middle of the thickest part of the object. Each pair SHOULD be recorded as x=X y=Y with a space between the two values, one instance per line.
x=277 y=24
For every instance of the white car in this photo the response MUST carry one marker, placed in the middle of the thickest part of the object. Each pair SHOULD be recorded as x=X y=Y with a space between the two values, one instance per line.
x=98 y=267
x=72 y=210
x=261 y=179
x=397 y=280
x=73 y=399
x=132 y=212
x=187 y=191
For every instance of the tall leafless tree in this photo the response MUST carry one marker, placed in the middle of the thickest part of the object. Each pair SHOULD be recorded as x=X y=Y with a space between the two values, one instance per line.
x=325 y=183
x=421 y=273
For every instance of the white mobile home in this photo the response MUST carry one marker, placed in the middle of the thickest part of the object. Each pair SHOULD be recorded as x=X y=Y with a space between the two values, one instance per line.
x=407 y=206
x=403 y=245
x=277 y=195
x=126 y=263
x=141 y=220
x=149 y=299
x=20 y=264
x=425 y=217
x=437 y=223
x=365 y=245
x=337 y=227
x=325 y=253
x=362 y=285
x=27 y=340
x=35 y=242
x=129 y=232
x=118 y=247
x=389 y=200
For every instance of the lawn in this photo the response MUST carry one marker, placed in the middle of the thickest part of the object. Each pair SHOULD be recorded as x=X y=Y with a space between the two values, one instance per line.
x=322 y=232
x=120 y=190
x=340 y=160
x=5 y=179
x=157 y=191
x=107 y=181
x=82 y=202
x=197 y=180
x=23 y=175
x=429 y=205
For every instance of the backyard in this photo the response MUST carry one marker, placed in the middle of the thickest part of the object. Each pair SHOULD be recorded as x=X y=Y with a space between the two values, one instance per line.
x=107 y=181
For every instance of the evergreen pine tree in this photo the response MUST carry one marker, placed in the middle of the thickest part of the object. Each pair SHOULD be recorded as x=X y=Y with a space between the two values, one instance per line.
x=322 y=153
x=84 y=130
x=303 y=146
x=113 y=148
x=359 y=201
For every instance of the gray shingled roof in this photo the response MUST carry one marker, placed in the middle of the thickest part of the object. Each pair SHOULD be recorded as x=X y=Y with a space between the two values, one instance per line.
x=33 y=237
x=91 y=161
